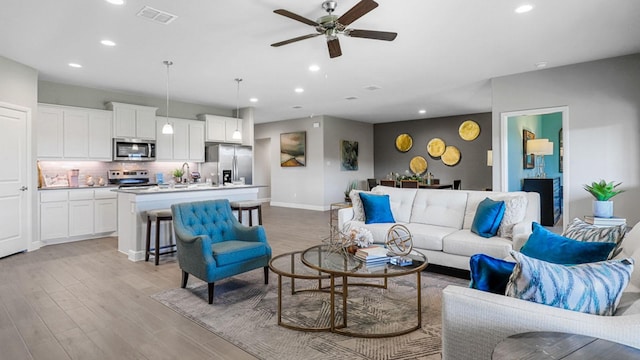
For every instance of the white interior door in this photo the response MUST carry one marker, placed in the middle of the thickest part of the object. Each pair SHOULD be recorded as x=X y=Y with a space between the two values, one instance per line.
x=14 y=210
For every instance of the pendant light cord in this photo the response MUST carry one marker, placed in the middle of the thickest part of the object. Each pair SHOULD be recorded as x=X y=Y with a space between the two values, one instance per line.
x=238 y=103
x=168 y=63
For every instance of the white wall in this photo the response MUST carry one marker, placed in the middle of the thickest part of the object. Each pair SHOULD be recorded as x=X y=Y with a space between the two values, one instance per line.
x=602 y=139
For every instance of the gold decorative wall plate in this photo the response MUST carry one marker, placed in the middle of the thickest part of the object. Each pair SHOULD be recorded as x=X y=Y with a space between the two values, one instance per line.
x=435 y=147
x=404 y=142
x=451 y=156
x=469 y=130
x=418 y=165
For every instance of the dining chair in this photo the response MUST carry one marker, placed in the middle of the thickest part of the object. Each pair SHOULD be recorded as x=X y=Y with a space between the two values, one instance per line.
x=372 y=183
x=391 y=183
x=457 y=184
x=413 y=184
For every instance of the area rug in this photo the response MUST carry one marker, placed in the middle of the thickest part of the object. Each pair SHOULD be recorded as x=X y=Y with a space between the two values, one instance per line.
x=244 y=313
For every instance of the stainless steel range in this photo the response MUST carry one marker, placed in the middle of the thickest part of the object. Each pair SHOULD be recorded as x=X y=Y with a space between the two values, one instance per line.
x=129 y=178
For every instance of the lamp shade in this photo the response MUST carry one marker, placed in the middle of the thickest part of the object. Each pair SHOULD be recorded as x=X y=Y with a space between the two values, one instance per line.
x=540 y=147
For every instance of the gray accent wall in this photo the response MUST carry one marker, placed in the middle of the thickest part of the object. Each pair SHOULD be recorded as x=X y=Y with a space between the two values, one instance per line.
x=472 y=168
x=601 y=139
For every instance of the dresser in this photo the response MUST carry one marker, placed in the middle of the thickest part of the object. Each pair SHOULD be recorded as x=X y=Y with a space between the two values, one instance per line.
x=550 y=198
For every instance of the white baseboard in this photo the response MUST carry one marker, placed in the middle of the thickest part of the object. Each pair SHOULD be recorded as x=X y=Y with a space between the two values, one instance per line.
x=298 y=206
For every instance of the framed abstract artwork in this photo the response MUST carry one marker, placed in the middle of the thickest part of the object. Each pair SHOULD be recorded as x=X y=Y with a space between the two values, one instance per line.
x=293 y=149
x=348 y=155
x=529 y=161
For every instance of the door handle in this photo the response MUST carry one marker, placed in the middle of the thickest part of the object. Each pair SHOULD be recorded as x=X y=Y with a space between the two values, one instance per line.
x=23 y=188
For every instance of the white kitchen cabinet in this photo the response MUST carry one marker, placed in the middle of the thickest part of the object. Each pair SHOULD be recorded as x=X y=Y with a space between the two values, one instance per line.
x=54 y=215
x=185 y=144
x=65 y=132
x=80 y=217
x=221 y=128
x=105 y=216
x=133 y=121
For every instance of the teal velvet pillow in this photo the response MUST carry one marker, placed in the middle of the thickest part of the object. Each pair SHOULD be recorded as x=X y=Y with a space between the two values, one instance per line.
x=377 y=208
x=488 y=217
x=490 y=274
x=547 y=246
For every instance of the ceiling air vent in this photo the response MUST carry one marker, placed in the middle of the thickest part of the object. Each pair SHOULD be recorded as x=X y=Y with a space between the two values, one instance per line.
x=156 y=15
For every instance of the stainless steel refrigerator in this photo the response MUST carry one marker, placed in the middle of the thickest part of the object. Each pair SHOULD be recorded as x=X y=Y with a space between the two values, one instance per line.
x=235 y=161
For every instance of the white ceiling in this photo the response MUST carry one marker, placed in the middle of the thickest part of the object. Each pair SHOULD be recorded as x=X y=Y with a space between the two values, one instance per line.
x=443 y=59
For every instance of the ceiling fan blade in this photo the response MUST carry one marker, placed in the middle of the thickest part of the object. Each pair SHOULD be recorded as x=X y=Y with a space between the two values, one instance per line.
x=371 y=34
x=357 y=11
x=297 y=17
x=334 y=48
x=294 y=40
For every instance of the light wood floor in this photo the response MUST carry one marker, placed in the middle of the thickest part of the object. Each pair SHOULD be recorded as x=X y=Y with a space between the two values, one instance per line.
x=84 y=300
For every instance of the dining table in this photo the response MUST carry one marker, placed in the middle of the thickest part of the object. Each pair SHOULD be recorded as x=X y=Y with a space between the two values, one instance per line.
x=435 y=186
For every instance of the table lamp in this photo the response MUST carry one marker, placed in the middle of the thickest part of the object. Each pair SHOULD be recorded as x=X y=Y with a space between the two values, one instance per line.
x=540 y=148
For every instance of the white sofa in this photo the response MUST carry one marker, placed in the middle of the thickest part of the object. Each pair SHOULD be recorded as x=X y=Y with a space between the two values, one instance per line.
x=474 y=322
x=440 y=222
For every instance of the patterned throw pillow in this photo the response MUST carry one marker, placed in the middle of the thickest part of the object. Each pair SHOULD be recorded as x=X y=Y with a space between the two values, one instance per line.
x=580 y=230
x=514 y=212
x=593 y=288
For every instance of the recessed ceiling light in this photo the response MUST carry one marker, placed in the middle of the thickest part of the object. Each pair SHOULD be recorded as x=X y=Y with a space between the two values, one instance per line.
x=524 y=8
x=314 y=68
x=541 y=64
x=297 y=106
x=106 y=42
x=299 y=90
x=422 y=111
x=116 y=2
x=253 y=99
x=75 y=65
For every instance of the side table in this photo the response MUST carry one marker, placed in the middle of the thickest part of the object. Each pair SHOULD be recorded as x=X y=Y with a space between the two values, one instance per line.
x=333 y=212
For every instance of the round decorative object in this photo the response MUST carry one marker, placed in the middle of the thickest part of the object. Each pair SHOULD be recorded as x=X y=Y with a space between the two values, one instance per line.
x=418 y=165
x=469 y=130
x=404 y=142
x=451 y=156
x=399 y=240
x=435 y=147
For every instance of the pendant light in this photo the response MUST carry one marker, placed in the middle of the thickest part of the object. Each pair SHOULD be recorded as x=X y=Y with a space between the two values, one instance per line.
x=237 y=135
x=167 y=129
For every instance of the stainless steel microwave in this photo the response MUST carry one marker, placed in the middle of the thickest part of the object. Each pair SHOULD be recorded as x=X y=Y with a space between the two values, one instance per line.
x=126 y=149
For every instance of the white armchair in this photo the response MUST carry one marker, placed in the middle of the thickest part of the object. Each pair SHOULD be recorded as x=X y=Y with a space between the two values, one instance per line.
x=474 y=322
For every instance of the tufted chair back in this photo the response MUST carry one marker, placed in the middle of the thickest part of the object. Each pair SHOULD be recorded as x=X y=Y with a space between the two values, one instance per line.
x=213 y=218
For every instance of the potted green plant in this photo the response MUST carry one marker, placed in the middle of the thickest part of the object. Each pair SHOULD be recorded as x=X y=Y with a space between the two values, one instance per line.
x=177 y=175
x=352 y=186
x=603 y=191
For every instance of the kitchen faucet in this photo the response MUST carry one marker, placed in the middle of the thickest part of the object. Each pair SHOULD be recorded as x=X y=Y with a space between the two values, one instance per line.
x=188 y=173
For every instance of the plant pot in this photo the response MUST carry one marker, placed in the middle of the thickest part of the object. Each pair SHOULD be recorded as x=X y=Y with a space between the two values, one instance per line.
x=603 y=209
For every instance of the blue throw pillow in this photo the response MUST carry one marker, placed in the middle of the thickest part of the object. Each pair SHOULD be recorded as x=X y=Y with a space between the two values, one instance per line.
x=490 y=274
x=488 y=217
x=547 y=246
x=377 y=208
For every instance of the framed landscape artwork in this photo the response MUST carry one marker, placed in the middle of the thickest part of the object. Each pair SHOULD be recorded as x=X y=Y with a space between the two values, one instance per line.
x=349 y=155
x=529 y=161
x=293 y=149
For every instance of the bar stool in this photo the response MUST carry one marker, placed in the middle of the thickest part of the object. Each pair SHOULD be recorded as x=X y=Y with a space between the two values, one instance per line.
x=240 y=206
x=158 y=216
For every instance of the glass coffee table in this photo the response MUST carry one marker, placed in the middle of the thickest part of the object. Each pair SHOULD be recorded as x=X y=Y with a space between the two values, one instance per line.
x=344 y=271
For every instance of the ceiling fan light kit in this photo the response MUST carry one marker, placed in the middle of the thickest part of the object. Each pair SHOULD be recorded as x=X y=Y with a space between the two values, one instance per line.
x=331 y=26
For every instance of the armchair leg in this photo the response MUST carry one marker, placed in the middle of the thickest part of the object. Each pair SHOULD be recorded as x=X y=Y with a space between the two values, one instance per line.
x=266 y=275
x=185 y=277
x=210 y=293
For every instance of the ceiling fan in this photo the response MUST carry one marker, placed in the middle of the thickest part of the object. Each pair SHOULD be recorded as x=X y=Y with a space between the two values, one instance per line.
x=331 y=25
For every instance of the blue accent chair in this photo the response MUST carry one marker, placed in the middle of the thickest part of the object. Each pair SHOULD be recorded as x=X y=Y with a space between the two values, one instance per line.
x=213 y=245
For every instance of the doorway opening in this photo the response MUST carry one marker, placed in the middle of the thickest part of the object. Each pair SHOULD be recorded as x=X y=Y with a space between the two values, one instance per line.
x=516 y=165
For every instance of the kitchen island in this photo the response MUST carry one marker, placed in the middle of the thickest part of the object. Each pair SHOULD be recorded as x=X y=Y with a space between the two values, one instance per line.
x=133 y=203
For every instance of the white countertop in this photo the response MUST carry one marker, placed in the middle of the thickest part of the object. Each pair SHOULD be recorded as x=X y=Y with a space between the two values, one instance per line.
x=180 y=188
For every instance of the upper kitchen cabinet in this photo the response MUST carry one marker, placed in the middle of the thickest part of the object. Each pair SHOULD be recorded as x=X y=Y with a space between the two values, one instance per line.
x=221 y=128
x=65 y=132
x=185 y=144
x=133 y=121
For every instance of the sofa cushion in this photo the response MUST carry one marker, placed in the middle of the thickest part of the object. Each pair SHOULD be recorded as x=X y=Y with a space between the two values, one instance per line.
x=490 y=274
x=593 y=288
x=547 y=246
x=401 y=201
x=488 y=216
x=475 y=197
x=428 y=237
x=580 y=230
x=233 y=251
x=356 y=203
x=376 y=208
x=464 y=242
x=439 y=207
x=514 y=212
